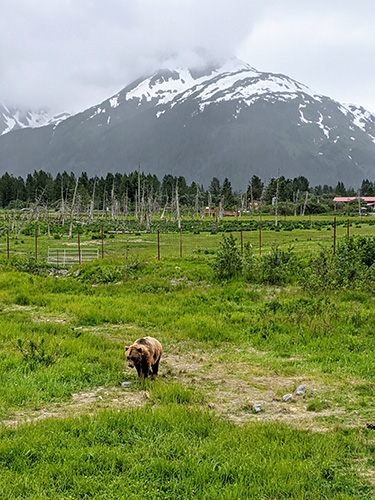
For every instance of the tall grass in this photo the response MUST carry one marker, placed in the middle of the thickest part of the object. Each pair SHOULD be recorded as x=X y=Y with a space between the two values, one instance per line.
x=175 y=452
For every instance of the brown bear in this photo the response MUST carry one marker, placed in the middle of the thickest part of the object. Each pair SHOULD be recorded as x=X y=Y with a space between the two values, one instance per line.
x=144 y=355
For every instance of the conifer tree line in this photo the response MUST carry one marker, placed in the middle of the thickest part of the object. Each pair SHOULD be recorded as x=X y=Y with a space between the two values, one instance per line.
x=124 y=192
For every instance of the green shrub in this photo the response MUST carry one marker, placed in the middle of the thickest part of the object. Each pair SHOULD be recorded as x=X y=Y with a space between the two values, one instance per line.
x=353 y=264
x=279 y=266
x=227 y=262
x=250 y=264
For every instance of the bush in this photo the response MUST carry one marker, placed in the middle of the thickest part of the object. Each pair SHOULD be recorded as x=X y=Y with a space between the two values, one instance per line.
x=353 y=265
x=250 y=264
x=279 y=266
x=227 y=262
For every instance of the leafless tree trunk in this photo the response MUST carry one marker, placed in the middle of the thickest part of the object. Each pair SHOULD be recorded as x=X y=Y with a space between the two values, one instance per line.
x=251 y=200
x=209 y=204
x=196 y=205
x=164 y=209
x=261 y=200
x=220 y=214
x=277 y=197
x=243 y=203
x=33 y=211
x=304 y=205
x=295 y=200
x=91 y=214
x=72 y=210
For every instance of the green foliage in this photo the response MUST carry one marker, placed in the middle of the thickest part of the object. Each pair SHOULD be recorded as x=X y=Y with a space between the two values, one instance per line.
x=97 y=272
x=353 y=265
x=279 y=266
x=30 y=265
x=34 y=353
x=227 y=262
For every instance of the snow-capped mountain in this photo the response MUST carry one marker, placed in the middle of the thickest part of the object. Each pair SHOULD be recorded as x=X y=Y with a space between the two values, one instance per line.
x=13 y=119
x=232 y=121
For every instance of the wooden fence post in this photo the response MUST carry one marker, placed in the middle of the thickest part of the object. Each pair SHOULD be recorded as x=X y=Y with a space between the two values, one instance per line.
x=79 y=248
x=102 y=242
x=334 y=235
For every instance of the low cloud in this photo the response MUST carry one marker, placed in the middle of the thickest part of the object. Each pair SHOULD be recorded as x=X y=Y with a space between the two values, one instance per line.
x=72 y=54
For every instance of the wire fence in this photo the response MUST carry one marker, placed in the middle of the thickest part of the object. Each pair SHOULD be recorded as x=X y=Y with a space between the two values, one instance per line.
x=76 y=253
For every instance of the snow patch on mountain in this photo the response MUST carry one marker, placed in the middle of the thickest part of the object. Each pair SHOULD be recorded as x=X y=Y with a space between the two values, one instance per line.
x=14 y=119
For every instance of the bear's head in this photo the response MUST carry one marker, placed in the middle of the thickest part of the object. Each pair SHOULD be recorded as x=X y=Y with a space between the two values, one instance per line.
x=133 y=355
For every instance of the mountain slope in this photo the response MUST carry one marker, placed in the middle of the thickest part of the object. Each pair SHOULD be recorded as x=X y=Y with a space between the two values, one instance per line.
x=229 y=122
x=14 y=119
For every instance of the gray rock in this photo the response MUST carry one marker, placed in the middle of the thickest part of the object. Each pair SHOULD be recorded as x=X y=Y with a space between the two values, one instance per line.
x=287 y=398
x=126 y=384
x=257 y=408
x=301 y=389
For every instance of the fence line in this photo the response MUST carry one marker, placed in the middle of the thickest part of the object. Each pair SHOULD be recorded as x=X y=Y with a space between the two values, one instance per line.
x=79 y=254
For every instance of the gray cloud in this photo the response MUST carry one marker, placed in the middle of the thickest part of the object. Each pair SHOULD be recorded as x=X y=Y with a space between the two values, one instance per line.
x=71 y=54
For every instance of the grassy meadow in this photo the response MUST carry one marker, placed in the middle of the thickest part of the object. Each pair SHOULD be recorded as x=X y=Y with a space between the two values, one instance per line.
x=237 y=330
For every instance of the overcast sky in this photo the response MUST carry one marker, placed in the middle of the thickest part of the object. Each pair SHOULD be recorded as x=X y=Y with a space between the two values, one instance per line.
x=71 y=54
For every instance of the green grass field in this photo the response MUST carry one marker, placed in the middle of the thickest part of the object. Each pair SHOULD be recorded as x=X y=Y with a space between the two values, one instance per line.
x=70 y=430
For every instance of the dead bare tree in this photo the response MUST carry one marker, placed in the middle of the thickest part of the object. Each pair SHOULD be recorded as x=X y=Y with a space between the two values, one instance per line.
x=209 y=204
x=305 y=203
x=72 y=210
x=261 y=200
x=243 y=203
x=196 y=204
x=164 y=209
x=295 y=201
x=221 y=211
x=33 y=211
x=277 y=196
x=251 y=199
x=91 y=212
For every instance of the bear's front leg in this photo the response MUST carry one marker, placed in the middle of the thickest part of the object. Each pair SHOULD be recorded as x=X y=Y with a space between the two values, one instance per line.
x=145 y=368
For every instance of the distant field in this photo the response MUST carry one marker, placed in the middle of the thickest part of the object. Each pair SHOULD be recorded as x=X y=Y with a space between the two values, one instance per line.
x=197 y=237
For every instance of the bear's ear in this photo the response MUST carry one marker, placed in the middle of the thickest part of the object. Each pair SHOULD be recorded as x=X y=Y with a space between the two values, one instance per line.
x=139 y=349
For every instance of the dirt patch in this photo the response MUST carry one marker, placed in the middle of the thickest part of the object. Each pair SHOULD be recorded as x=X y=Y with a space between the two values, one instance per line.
x=231 y=390
x=228 y=389
x=84 y=402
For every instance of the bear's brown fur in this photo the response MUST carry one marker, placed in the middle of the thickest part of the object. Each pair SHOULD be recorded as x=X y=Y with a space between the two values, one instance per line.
x=144 y=355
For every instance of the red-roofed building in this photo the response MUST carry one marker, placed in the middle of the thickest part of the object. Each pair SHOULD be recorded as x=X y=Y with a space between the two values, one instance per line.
x=370 y=200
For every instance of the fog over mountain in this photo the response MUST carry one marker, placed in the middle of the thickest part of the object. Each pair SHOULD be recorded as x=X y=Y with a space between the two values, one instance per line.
x=230 y=121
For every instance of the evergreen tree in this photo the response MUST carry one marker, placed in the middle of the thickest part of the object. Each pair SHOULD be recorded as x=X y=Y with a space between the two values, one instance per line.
x=227 y=194
x=215 y=190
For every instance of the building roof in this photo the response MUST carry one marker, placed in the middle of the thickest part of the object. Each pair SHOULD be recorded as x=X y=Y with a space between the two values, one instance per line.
x=346 y=199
